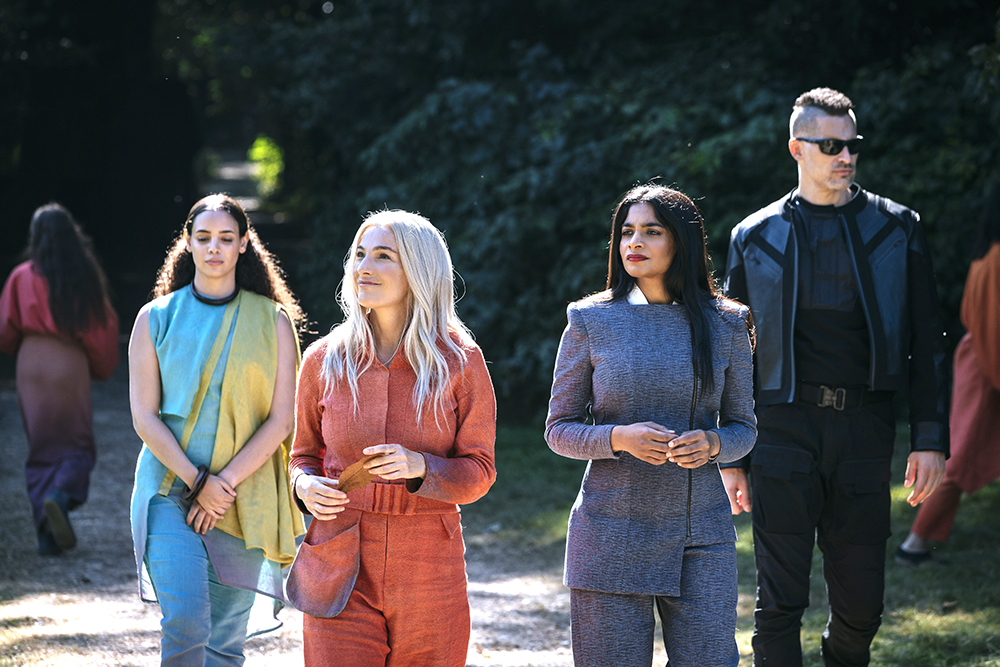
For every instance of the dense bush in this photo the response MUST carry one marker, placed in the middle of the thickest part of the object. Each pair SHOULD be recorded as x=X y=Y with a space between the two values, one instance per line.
x=515 y=125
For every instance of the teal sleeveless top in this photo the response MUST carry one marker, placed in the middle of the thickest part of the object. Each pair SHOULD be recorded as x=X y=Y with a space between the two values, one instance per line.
x=183 y=331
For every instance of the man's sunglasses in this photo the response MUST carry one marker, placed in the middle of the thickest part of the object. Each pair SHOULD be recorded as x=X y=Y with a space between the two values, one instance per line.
x=835 y=146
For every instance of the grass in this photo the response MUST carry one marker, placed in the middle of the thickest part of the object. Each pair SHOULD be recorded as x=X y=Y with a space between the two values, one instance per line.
x=942 y=614
x=534 y=490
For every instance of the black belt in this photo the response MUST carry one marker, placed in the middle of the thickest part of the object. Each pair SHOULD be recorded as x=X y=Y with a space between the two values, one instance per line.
x=839 y=398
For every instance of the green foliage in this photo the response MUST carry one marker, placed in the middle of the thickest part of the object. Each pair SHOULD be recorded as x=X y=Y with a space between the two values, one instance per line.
x=269 y=160
x=934 y=147
x=533 y=490
x=523 y=174
x=514 y=126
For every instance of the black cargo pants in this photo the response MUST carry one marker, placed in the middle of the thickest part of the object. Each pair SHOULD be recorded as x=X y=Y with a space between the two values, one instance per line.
x=820 y=474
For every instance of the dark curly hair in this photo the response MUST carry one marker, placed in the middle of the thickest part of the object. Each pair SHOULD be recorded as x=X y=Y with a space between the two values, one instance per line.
x=64 y=255
x=689 y=278
x=257 y=269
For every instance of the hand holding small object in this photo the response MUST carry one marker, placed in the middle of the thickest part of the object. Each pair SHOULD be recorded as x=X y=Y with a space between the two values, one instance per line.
x=320 y=495
x=393 y=461
x=694 y=449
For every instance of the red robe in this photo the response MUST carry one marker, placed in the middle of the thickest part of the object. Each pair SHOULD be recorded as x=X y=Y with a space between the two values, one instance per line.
x=54 y=370
x=975 y=406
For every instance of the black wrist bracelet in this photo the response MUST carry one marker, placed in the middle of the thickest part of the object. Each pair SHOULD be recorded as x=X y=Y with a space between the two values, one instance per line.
x=199 y=484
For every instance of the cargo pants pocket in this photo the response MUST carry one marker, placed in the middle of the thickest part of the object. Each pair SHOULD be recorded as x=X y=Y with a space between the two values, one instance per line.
x=862 y=506
x=784 y=493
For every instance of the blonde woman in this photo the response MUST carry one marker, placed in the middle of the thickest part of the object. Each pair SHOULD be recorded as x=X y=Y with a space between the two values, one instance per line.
x=401 y=384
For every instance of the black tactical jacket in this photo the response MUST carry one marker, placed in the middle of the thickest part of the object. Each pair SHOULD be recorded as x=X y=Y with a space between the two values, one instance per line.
x=893 y=270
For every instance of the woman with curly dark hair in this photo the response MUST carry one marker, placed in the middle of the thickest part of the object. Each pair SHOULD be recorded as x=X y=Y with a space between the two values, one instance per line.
x=56 y=317
x=653 y=386
x=212 y=363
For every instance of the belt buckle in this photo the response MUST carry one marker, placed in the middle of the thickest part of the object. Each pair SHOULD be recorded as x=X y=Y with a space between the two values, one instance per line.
x=833 y=397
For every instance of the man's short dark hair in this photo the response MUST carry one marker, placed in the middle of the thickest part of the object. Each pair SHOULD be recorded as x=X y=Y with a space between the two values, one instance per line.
x=813 y=104
x=830 y=101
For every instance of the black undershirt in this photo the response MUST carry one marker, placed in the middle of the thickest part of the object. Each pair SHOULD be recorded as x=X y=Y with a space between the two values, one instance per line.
x=831 y=334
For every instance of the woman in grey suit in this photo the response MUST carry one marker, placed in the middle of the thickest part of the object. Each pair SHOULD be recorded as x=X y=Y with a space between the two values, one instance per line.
x=653 y=385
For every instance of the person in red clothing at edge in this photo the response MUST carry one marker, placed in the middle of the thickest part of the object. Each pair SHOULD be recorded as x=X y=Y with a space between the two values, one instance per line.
x=56 y=317
x=401 y=384
x=975 y=400
x=841 y=287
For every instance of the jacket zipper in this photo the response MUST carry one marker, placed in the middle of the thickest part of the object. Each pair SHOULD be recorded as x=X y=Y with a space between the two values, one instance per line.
x=795 y=303
x=864 y=304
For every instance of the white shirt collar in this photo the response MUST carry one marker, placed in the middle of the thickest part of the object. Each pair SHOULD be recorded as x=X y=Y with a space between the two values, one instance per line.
x=636 y=297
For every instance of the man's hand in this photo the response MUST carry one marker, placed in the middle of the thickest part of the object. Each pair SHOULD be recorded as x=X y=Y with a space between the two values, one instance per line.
x=924 y=471
x=738 y=489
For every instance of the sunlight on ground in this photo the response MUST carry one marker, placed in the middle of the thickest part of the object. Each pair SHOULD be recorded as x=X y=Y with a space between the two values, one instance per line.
x=70 y=629
x=520 y=621
x=60 y=629
x=941 y=636
x=518 y=658
x=514 y=624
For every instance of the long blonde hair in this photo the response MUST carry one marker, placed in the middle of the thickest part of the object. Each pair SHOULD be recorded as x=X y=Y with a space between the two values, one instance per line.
x=431 y=319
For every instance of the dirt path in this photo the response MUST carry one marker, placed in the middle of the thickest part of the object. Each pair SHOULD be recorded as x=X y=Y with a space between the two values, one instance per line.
x=82 y=608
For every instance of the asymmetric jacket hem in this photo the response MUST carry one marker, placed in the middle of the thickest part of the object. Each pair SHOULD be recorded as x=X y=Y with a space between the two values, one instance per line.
x=621 y=364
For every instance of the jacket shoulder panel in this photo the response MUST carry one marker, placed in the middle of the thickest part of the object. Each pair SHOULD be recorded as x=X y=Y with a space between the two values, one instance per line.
x=594 y=301
x=880 y=212
x=768 y=224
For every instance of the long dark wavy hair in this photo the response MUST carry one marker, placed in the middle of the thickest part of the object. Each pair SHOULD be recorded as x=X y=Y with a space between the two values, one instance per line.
x=257 y=270
x=688 y=280
x=64 y=255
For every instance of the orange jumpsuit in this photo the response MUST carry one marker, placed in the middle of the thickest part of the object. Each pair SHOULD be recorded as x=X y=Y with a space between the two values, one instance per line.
x=409 y=605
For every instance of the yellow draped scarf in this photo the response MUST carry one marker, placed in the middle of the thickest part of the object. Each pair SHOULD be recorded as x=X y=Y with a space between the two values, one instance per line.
x=264 y=513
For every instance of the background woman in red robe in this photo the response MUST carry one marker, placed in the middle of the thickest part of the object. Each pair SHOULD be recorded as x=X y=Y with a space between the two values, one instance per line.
x=56 y=318
x=975 y=401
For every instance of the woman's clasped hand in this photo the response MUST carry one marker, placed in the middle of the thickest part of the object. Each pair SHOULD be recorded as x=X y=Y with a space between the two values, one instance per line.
x=321 y=496
x=210 y=504
x=656 y=444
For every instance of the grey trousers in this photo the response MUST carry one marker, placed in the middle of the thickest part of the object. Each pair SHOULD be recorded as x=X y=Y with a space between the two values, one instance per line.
x=699 y=627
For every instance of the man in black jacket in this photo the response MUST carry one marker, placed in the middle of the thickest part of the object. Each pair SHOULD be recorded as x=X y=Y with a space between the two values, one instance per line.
x=842 y=291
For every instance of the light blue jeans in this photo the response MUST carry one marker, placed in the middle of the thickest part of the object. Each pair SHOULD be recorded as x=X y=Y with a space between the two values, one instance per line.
x=204 y=622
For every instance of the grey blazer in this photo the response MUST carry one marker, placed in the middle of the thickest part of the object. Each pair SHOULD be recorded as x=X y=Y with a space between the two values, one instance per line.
x=619 y=364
